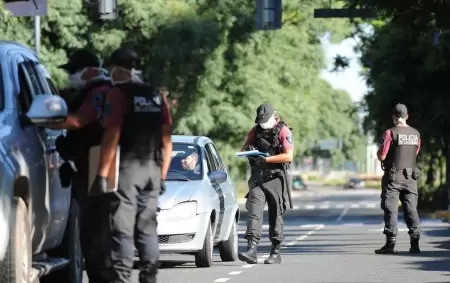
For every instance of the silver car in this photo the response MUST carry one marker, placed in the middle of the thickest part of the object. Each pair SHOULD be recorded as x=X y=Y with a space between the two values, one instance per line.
x=199 y=209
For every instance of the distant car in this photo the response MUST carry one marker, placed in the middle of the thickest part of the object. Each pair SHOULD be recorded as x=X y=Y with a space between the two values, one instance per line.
x=298 y=183
x=199 y=209
x=39 y=229
x=354 y=183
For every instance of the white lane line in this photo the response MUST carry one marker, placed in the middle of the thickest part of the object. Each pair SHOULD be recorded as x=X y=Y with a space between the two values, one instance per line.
x=310 y=206
x=290 y=244
x=354 y=205
x=343 y=213
x=222 y=280
x=235 y=273
x=372 y=205
x=381 y=229
x=248 y=266
x=324 y=206
x=302 y=237
x=340 y=205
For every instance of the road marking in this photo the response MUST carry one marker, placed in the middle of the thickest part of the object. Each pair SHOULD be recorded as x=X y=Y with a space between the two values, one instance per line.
x=248 y=266
x=324 y=206
x=340 y=205
x=343 y=213
x=353 y=224
x=310 y=206
x=222 y=280
x=290 y=244
x=372 y=205
x=302 y=237
x=235 y=273
x=354 y=205
x=265 y=226
x=382 y=229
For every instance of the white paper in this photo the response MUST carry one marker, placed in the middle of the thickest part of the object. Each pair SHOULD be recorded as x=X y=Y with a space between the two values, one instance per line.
x=113 y=176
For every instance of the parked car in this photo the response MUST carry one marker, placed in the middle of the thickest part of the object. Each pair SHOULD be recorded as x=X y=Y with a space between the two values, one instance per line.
x=299 y=183
x=39 y=234
x=199 y=209
x=354 y=183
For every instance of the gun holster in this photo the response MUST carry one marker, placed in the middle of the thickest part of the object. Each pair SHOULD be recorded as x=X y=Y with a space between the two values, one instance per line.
x=391 y=174
x=416 y=173
x=407 y=172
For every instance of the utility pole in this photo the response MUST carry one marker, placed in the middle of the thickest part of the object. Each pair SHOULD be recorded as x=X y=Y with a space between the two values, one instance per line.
x=37 y=34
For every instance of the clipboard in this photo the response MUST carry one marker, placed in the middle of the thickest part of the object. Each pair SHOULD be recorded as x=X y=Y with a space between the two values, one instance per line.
x=251 y=153
x=113 y=176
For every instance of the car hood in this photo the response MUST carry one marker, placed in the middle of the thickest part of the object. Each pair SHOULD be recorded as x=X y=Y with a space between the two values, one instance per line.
x=177 y=192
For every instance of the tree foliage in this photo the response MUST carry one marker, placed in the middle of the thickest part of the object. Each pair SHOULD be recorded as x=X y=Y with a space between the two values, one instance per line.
x=217 y=67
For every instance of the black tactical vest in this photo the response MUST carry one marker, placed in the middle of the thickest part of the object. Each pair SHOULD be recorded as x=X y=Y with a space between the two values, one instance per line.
x=141 y=131
x=90 y=135
x=268 y=141
x=402 y=152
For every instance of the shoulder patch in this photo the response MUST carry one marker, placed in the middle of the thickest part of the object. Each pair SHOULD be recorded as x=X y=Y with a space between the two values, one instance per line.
x=290 y=139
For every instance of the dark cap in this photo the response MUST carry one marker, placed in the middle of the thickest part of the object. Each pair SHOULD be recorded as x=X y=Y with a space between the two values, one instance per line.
x=263 y=113
x=400 y=111
x=124 y=57
x=79 y=60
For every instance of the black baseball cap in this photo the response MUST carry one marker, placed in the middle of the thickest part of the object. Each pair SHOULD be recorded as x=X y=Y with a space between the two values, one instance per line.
x=80 y=59
x=263 y=113
x=400 y=111
x=125 y=57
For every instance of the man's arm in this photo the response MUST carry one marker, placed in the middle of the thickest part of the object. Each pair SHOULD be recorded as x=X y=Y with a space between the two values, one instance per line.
x=385 y=144
x=115 y=109
x=166 y=138
x=249 y=140
x=287 y=141
x=418 y=147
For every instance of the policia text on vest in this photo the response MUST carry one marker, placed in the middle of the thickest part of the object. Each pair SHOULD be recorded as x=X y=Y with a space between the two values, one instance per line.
x=398 y=150
x=268 y=181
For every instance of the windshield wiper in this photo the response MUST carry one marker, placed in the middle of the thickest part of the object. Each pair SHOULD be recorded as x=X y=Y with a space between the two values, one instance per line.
x=177 y=179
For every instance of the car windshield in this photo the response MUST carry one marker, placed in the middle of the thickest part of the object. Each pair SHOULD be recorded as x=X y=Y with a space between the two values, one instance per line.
x=186 y=163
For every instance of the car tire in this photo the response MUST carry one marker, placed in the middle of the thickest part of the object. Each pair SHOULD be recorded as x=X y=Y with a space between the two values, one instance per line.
x=70 y=248
x=16 y=266
x=229 y=249
x=204 y=257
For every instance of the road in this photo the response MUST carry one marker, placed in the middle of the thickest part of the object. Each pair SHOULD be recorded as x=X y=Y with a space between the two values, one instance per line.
x=331 y=236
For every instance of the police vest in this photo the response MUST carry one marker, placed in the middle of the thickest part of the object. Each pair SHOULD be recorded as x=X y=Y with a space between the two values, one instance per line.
x=402 y=152
x=141 y=132
x=90 y=135
x=268 y=141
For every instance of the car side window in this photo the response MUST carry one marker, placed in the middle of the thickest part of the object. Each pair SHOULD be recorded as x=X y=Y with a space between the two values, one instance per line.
x=33 y=75
x=217 y=158
x=213 y=154
x=52 y=87
x=209 y=161
x=25 y=96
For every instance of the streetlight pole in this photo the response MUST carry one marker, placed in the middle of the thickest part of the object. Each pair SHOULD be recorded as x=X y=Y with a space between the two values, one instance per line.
x=37 y=34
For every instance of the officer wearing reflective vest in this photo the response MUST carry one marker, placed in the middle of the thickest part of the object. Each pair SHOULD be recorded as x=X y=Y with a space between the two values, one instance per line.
x=136 y=118
x=398 y=150
x=268 y=181
x=89 y=82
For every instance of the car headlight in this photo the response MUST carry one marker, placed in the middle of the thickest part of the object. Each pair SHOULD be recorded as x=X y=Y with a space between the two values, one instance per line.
x=184 y=210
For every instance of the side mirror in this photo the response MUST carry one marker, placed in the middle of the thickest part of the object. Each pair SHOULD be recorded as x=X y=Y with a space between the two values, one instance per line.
x=47 y=109
x=218 y=177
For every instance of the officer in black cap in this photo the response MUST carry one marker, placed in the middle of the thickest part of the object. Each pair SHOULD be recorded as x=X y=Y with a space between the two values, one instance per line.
x=268 y=181
x=397 y=152
x=145 y=155
x=89 y=83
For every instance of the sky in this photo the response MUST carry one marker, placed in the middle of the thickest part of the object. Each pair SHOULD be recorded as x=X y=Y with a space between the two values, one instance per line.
x=349 y=79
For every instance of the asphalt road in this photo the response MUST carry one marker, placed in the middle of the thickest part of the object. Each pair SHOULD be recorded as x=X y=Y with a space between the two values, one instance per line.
x=331 y=236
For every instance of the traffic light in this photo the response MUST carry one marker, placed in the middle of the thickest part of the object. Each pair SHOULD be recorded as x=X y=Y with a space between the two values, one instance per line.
x=269 y=14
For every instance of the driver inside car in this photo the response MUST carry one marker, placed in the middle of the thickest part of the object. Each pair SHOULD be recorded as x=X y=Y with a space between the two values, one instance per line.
x=190 y=163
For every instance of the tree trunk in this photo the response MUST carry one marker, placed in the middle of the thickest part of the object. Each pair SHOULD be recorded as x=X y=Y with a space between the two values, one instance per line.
x=431 y=172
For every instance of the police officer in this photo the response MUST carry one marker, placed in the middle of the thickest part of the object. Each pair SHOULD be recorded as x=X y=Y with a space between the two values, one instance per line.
x=145 y=155
x=89 y=83
x=398 y=150
x=268 y=181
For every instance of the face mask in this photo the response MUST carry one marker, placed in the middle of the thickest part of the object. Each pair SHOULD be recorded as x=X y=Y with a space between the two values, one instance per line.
x=134 y=75
x=76 y=81
x=269 y=124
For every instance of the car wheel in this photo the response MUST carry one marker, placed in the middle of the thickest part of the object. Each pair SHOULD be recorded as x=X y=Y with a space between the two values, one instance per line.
x=204 y=257
x=16 y=266
x=71 y=249
x=229 y=249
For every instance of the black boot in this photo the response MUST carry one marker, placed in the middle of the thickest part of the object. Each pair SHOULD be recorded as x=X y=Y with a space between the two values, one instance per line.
x=414 y=246
x=250 y=256
x=275 y=257
x=388 y=248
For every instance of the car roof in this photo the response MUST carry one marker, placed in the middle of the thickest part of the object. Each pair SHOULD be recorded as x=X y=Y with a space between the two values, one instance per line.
x=6 y=46
x=198 y=140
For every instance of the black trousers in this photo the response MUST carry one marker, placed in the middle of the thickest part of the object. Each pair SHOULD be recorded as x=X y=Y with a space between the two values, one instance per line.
x=270 y=191
x=94 y=230
x=132 y=216
x=405 y=190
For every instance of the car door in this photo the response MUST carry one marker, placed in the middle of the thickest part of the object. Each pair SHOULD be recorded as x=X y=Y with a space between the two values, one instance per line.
x=29 y=151
x=224 y=193
x=58 y=197
x=219 y=200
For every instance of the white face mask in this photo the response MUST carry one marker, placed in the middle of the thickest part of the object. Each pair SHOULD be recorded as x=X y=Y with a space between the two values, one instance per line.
x=134 y=75
x=76 y=81
x=269 y=124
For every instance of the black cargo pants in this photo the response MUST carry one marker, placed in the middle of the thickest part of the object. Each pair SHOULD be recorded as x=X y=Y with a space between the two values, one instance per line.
x=403 y=189
x=133 y=220
x=94 y=232
x=270 y=191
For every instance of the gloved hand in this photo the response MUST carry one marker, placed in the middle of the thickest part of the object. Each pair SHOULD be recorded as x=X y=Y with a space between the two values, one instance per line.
x=99 y=186
x=65 y=174
x=62 y=147
x=163 y=187
x=258 y=158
